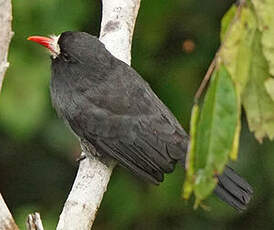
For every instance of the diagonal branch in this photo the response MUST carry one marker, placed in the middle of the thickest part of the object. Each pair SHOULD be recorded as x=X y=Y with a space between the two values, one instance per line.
x=80 y=209
x=6 y=219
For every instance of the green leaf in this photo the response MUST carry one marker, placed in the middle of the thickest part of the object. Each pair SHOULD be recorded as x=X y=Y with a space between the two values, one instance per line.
x=204 y=184
x=227 y=20
x=269 y=85
x=189 y=181
x=258 y=104
x=265 y=14
x=215 y=132
x=236 y=50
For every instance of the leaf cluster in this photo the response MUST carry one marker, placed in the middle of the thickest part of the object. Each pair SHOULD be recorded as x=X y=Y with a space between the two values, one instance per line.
x=243 y=76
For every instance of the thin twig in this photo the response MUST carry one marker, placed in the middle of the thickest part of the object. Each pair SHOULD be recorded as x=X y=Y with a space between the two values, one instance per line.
x=216 y=57
x=205 y=80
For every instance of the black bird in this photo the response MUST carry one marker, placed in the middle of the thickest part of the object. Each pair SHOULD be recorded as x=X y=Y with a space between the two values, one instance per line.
x=110 y=107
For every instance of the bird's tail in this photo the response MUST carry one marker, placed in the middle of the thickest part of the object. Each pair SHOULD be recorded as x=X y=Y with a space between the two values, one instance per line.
x=233 y=189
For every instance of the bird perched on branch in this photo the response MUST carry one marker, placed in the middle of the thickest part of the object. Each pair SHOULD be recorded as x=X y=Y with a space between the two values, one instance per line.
x=109 y=106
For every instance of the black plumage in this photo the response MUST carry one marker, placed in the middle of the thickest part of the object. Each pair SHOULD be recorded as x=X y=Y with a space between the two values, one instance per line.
x=108 y=105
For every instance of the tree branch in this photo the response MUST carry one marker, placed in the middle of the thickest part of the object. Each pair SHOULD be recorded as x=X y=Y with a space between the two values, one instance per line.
x=34 y=222
x=117 y=26
x=6 y=219
x=5 y=36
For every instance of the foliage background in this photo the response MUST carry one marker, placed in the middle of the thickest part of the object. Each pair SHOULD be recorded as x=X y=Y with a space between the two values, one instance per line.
x=173 y=45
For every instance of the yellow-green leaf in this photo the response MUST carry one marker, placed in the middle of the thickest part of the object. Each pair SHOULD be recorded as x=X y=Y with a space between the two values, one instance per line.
x=190 y=179
x=265 y=14
x=239 y=26
x=236 y=51
x=269 y=85
x=234 y=151
x=227 y=20
x=258 y=104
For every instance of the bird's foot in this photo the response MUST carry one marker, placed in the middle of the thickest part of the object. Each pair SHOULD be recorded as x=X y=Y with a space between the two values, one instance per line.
x=82 y=156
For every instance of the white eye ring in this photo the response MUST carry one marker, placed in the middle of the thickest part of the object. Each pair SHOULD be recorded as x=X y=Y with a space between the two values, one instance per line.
x=54 y=47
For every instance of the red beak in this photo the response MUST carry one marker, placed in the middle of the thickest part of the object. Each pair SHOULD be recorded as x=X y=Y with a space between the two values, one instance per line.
x=44 y=41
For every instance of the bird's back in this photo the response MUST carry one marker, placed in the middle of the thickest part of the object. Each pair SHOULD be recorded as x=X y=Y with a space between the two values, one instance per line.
x=119 y=114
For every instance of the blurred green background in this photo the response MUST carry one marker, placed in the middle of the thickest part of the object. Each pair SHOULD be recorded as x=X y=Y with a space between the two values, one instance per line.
x=173 y=45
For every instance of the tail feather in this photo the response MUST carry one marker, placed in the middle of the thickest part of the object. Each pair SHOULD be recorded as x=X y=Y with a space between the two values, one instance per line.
x=233 y=189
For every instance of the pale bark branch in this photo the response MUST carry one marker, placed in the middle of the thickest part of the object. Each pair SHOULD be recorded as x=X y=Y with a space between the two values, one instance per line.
x=5 y=36
x=117 y=26
x=6 y=219
x=7 y=222
x=34 y=222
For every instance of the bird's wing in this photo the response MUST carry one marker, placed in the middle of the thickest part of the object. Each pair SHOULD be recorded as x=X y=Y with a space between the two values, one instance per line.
x=123 y=118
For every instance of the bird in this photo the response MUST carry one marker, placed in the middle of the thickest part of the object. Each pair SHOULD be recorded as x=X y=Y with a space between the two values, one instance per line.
x=111 y=108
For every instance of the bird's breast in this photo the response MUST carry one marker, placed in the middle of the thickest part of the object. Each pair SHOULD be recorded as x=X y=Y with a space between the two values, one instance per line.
x=61 y=97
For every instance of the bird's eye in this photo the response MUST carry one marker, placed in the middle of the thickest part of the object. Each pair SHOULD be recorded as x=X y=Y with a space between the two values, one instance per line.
x=66 y=56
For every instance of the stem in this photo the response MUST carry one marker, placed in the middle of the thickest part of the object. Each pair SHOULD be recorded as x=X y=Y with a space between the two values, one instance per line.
x=205 y=80
x=214 y=61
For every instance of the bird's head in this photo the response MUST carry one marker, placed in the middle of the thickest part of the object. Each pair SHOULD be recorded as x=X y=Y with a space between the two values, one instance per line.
x=69 y=45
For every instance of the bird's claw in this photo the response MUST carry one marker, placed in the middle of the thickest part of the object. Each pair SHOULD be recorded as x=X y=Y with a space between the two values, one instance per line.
x=82 y=156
